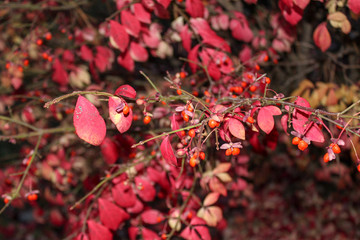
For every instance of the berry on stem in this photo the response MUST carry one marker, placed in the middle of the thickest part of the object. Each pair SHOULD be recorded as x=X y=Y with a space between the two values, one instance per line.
x=212 y=123
x=250 y=120
x=296 y=140
x=228 y=152
x=202 y=155
x=192 y=133
x=235 y=151
x=303 y=145
x=326 y=157
x=147 y=119
x=336 y=149
x=193 y=161
x=126 y=110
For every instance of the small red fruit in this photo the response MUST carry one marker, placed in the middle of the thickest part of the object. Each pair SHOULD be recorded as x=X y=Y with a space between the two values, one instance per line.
x=179 y=92
x=253 y=88
x=163 y=236
x=250 y=120
x=235 y=151
x=326 y=157
x=147 y=119
x=302 y=145
x=193 y=161
x=202 y=155
x=257 y=67
x=190 y=108
x=39 y=42
x=267 y=80
x=192 y=133
x=48 y=36
x=186 y=117
x=182 y=74
x=6 y=200
x=296 y=140
x=358 y=167
x=336 y=149
x=32 y=197
x=212 y=123
x=266 y=58
x=126 y=110
x=228 y=152
x=183 y=133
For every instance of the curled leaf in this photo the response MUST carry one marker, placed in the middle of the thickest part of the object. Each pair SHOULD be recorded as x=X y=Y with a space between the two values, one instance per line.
x=121 y=121
x=167 y=152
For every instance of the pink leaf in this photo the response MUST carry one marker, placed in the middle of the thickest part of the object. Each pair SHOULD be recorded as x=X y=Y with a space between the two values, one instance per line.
x=89 y=125
x=119 y=35
x=152 y=216
x=291 y=14
x=175 y=125
x=111 y=215
x=126 y=61
x=202 y=27
x=104 y=58
x=151 y=38
x=138 y=52
x=185 y=35
x=86 y=53
x=145 y=189
x=109 y=151
x=211 y=198
x=313 y=132
x=236 y=128
x=98 y=231
x=193 y=58
x=354 y=6
x=265 y=118
x=195 y=8
x=199 y=230
x=164 y=3
x=124 y=195
x=322 y=37
x=284 y=123
x=167 y=152
x=126 y=91
x=137 y=208
x=217 y=186
x=59 y=75
x=301 y=3
x=121 y=121
x=241 y=31
x=141 y=14
x=131 y=23
x=149 y=235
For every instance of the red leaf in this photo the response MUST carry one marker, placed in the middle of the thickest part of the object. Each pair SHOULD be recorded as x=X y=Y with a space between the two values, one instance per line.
x=121 y=121
x=152 y=216
x=119 y=35
x=141 y=14
x=199 y=230
x=195 y=8
x=301 y=3
x=291 y=14
x=111 y=215
x=185 y=35
x=193 y=58
x=175 y=125
x=322 y=37
x=241 y=30
x=236 y=128
x=124 y=195
x=109 y=151
x=211 y=198
x=265 y=118
x=354 y=6
x=59 y=75
x=149 y=235
x=130 y=22
x=313 y=133
x=167 y=152
x=202 y=27
x=164 y=3
x=151 y=37
x=126 y=91
x=89 y=125
x=104 y=58
x=137 y=208
x=284 y=123
x=86 y=53
x=138 y=52
x=126 y=61
x=98 y=231
x=145 y=189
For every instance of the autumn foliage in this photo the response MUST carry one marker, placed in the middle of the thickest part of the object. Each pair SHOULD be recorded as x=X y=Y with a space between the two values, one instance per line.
x=179 y=119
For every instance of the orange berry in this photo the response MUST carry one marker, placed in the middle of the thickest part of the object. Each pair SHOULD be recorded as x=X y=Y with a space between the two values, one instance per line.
x=147 y=119
x=192 y=161
x=158 y=219
x=183 y=133
x=45 y=56
x=126 y=110
x=257 y=67
x=206 y=93
x=7 y=65
x=235 y=151
x=20 y=69
x=6 y=200
x=195 y=93
x=212 y=123
x=179 y=92
x=336 y=149
x=266 y=58
x=326 y=157
x=232 y=89
x=267 y=80
x=32 y=197
x=253 y=88
x=50 y=59
x=192 y=133
x=250 y=120
x=358 y=167
x=238 y=89
x=39 y=42
x=296 y=140
x=302 y=145
x=186 y=117
x=108 y=175
x=163 y=236
x=275 y=61
x=228 y=152
x=244 y=84
x=339 y=127
x=190 y=108
x=26 y=62
x=48 y=36
x=202 y=155
x=182 y=75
